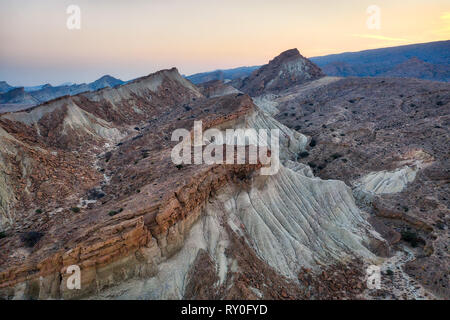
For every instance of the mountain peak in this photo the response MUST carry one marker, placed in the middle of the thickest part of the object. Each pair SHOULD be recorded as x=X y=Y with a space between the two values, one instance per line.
x=287 y=69
x=105 y=81
x=5 y=87
x=291 y=53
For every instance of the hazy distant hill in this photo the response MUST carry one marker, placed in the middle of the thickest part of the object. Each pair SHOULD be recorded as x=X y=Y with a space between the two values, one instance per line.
x=4 y=87
x=429 y=61
x=12 y=99
x=223 y=75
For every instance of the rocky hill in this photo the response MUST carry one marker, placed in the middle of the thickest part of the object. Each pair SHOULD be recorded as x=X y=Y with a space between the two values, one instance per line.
x=288 y=69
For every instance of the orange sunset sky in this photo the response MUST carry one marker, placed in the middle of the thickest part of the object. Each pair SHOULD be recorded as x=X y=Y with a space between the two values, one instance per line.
x=127 y=39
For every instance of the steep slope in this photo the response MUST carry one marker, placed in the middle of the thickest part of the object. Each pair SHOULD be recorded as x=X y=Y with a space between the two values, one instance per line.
x=288 y=69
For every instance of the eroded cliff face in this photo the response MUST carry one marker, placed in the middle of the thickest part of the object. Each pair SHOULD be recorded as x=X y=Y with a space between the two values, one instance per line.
x=143 y=225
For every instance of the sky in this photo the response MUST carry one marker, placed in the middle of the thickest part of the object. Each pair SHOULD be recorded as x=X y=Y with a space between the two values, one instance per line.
x=132 y=38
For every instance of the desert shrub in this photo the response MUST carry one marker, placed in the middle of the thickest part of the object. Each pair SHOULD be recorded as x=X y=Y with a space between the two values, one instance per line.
x=313 y=143
x=179 y=166
x=2 y=234
x=440 y=225
x=38 y=211
x=312 y=165
x=108 y=156
x=389 y=272
x=336 y=156
x=75 y=209
x=114 y=212
x=411 y=237
x=31 y=238
x=303 y=154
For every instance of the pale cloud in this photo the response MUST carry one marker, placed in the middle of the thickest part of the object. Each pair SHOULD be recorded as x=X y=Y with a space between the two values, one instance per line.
x=379 y=37
x=444 y=31
x=446 y=16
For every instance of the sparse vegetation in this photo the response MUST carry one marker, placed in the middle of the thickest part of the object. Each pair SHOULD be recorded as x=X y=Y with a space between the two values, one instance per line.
x=303 y=154
x=31 y=238
x=312 y=165
x=411 y=237
x=389 y=272
x=335 y=156
x=112 y=213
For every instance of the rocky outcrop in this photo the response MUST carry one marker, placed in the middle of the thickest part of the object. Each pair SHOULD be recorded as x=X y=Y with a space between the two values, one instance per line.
x=288 y=69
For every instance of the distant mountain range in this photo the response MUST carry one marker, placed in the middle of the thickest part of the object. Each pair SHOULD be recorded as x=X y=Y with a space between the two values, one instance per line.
x=430 y=61
x=18 y=98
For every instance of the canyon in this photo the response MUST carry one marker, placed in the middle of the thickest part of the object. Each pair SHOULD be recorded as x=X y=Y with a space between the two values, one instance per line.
x=88 y=180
